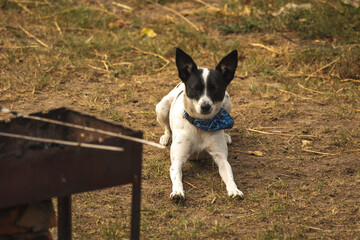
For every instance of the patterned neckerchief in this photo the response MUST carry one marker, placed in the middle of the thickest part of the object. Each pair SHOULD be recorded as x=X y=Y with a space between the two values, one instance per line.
x=222 y=120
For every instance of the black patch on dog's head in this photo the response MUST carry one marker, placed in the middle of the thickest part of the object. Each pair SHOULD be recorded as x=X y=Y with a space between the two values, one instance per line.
x=195 y=86
x=190 y=75
x=216 y=86
x=216 y=82
x=185 y=65
x=227 y=66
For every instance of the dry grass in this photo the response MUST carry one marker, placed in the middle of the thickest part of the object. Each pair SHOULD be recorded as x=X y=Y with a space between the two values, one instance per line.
x=298 y=79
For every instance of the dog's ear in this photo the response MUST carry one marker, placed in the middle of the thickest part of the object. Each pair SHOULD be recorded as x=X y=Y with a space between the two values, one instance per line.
x=184 y=64
x=227 y=66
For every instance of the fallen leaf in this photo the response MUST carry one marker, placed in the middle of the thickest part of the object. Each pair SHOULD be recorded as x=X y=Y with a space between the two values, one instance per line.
x=148 y=32
x=119 y=23
x=167 y=19
x=247 y=10
x=305 y=143
x=256 y=153
x=87 y=41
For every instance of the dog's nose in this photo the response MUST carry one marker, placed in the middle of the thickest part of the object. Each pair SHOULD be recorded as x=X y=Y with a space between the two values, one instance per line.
x=205 y=108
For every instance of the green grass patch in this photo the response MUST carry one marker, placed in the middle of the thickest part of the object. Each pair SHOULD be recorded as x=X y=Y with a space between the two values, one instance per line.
x=320 y=21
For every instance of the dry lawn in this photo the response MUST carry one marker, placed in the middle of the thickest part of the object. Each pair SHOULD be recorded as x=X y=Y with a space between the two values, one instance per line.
x=296 y=139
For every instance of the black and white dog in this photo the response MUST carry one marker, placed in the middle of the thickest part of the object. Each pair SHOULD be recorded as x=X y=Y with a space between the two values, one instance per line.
x=194 y=115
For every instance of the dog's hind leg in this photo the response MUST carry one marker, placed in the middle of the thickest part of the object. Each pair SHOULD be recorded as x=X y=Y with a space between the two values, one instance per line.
x=227 y=105
x=162 y=112
x=227 y=138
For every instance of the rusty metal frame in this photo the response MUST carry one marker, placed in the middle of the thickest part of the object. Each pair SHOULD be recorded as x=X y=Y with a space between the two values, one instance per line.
x=31 y=171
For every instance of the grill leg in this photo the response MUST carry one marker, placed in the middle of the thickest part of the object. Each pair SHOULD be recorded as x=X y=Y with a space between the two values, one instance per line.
x=64 y=218
x=135 y=208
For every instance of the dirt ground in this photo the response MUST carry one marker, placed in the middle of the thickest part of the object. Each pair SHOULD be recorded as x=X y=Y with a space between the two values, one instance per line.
x=295 y=153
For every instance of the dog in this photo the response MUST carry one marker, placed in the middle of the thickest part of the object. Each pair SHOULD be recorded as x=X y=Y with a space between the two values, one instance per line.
x=194 y=115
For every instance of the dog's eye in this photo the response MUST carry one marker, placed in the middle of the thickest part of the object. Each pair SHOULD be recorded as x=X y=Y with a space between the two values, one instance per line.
x=213 y=88
x=194 y=91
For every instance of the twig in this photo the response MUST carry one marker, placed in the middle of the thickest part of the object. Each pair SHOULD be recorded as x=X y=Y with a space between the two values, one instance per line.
x=154 y=54
x=122 y=63
x=288 y=141
x=78 y=8
x=105 y=65
x=62 y=142
x=58 y=28
x=190 y=184
x=320 y=153
x=31 y=2
x=315 y=228
x=82 y=29
x=100 y=4
x=208 y=5
x=22 y=6
x=352 y=150
x=280 y=134
x=331 y=5
x=18 y=47
x=32 y=36
x=164 y=66
x=294 y=94
x=176 y=13
x=350 y=80
x=304 y=98
x=332 y=154
x=96 y=68
x=310 y=90
x=122 y=6
x=265 y=47
x=269 y=127
x=255 y=153
x=307 y=75
x=327 y=65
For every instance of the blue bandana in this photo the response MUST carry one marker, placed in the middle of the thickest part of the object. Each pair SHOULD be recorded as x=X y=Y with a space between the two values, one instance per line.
x=222 y=120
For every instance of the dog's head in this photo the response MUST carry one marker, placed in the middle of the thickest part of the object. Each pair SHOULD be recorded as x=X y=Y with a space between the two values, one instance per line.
x=205 y=88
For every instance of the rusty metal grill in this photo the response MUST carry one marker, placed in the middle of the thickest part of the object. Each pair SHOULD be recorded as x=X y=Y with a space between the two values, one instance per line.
x=34 y=171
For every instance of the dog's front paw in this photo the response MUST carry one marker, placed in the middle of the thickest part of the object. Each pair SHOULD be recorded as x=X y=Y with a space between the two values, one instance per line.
x=235 y=193
x=165 y=140
x=177 y=196
x=227 y=138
